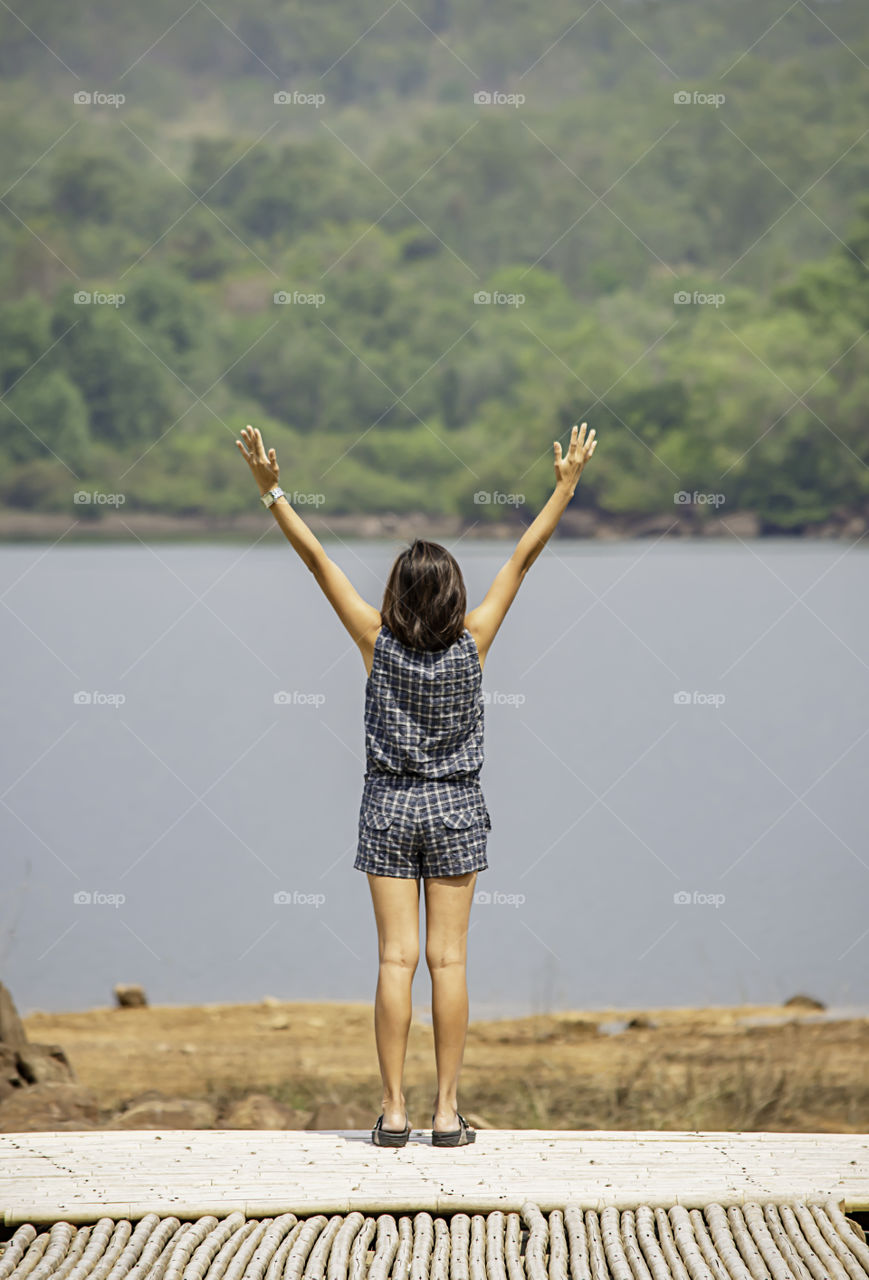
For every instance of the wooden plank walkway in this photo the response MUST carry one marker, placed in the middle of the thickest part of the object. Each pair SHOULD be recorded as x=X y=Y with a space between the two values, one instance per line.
x=82 y=1176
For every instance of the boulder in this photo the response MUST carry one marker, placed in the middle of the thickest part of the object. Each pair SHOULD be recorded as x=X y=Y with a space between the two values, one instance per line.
x=43 y=1064
x=49 y=1106
x=803 y=1002
x=340 y=1115
x=130 y=996
x=12 y=1031
x=259 y=1111
x=9 y=1077
x=166 y=1113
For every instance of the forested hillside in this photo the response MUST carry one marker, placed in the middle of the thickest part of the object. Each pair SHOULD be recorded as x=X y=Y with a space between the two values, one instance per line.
x=664 y=202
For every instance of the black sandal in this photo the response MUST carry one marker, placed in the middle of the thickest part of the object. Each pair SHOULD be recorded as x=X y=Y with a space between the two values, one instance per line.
x=455 y=1137
x=389 y=1137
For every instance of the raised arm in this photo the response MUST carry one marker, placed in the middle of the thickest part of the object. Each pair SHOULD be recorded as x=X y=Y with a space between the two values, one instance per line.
x=484 y=621
x=360 y=618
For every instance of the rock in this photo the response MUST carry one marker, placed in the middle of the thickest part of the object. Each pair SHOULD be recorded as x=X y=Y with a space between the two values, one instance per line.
x=476 y=1121
x=259 y=1111
x=803 y=1002
x=657 y=526
x=580 y=523
x=49 y=1106
x=44 y=1064
x=12 y=1031
x=639 y=1021
x=733 y=524
x=166 y=1113
x=9 y=1077
x=130 y=996
x=338 y=1115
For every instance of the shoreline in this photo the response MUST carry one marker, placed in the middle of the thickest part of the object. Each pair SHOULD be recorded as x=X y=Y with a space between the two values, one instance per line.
x=33 y=526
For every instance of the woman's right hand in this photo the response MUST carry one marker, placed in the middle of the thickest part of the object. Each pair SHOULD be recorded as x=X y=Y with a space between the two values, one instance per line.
x=580 y=449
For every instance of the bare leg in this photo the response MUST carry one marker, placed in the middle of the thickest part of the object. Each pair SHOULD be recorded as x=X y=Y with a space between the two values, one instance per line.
x=396 y=910
x=448 y=906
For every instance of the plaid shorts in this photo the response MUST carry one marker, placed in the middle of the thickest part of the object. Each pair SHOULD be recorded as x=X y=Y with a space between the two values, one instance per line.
x=412 y=827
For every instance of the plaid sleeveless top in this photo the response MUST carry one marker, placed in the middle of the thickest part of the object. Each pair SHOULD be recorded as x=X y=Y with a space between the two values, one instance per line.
x=424 y=710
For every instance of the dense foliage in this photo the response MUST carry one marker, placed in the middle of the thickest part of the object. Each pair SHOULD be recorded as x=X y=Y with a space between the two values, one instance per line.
x=383 y=210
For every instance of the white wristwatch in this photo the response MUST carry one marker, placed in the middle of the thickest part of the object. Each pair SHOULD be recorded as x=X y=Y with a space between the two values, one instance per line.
x=271 y=496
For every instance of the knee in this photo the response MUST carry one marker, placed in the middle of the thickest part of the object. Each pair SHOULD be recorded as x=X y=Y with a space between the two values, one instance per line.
x=404 y=957
x=439 y=958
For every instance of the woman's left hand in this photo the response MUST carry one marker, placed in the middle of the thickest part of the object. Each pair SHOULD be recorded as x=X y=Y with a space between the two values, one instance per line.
x=264 y=467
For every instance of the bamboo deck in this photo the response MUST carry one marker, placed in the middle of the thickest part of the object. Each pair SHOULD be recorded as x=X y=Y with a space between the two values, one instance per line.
x=83 y=1176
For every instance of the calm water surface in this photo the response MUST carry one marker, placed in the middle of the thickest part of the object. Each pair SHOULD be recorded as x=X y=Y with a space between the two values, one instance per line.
x=677 y=750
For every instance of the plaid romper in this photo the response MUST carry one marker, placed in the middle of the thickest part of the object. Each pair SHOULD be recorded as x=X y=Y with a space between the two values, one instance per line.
x=423 y=811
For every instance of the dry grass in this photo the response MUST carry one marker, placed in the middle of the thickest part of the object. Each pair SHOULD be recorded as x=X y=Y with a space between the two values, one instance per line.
x=695 y=1069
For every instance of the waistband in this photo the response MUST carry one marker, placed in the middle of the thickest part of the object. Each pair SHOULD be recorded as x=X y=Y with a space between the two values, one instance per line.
x=419 y=779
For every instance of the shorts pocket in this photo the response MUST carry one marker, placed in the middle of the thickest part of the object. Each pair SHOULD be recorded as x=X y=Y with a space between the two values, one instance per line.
x=460 y=819
x=377 y=818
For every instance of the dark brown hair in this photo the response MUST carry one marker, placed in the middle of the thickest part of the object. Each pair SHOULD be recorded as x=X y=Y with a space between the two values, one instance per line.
x=424 y=601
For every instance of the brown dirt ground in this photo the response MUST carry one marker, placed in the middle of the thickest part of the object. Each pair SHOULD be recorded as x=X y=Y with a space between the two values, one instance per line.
x=693 y=1069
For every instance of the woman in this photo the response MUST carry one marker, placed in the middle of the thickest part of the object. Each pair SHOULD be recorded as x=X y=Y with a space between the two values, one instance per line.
x=423 y=815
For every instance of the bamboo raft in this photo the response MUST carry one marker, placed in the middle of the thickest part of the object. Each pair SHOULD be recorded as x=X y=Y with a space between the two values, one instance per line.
x=756 y=1242
x=526 y=1205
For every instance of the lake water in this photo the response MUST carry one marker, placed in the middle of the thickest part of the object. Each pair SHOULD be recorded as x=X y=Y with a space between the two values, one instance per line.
x=677 y=754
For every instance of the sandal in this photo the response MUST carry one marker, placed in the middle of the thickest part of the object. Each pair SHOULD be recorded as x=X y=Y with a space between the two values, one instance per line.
x=461 y=1137
x=389 y=1137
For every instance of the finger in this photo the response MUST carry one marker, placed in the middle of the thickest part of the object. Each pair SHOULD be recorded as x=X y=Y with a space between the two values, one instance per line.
x=557 y=444
x=244 y=452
